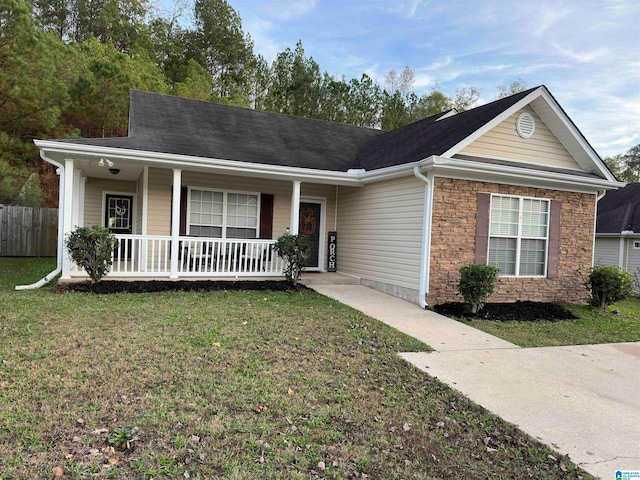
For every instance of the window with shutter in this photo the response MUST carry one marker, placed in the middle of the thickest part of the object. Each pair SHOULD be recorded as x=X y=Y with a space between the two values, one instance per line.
x=519 y=235
x=222 y=214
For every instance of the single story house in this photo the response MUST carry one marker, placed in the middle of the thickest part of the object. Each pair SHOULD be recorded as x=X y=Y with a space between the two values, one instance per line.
x=618 y=230
x=199 y=189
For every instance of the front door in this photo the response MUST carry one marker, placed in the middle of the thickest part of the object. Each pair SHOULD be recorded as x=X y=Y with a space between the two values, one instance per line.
x=311 y=227
x=118 y=218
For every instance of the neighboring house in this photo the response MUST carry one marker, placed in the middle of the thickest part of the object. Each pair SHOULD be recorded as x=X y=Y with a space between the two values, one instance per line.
x=200 y=189
x=618 y=230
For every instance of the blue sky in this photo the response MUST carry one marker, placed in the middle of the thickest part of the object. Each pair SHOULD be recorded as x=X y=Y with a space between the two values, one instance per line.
x=586 y=52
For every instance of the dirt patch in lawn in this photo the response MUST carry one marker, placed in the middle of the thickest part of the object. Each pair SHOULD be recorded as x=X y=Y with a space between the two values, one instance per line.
x=151 y=286
x=521 y=311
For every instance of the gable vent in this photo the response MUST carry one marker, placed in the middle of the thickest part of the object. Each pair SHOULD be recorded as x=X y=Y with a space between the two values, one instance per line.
x=525 y=125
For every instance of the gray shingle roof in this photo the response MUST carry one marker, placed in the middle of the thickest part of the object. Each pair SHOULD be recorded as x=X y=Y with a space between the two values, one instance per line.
x=430 y=136
x=174 y=125
x=619 y=210
x=167 y=124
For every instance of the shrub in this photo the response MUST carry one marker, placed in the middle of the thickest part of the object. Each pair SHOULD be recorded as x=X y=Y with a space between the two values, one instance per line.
x=608 y=284
x=295 y=250
x=477 y=283
x=91 y=249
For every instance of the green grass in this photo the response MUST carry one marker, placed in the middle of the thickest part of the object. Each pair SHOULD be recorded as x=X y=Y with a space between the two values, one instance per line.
x=235 y=386
x=24 y=270
x=619 y=323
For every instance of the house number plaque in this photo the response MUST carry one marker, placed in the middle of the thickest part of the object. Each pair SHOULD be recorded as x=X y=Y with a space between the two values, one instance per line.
x=333 y=238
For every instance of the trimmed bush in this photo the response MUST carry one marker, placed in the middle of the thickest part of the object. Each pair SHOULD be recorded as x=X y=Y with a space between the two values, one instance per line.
x=608 y=284
x=295 y=251
x=91 y=249
x=477 y=283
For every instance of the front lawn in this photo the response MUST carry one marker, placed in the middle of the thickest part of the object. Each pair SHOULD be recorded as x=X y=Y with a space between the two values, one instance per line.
x=233 y=385
x=619 y=323
x=24 y=270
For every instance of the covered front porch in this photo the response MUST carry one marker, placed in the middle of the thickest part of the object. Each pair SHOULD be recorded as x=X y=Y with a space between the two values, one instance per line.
x=199 y=223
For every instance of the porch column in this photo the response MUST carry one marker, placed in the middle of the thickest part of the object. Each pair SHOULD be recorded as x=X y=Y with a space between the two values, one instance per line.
x=295 y=208
x=175 y=222
x=77 y=194
x=67 y=214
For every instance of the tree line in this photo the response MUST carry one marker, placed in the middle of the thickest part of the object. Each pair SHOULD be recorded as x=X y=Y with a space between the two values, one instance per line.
x=66 y=68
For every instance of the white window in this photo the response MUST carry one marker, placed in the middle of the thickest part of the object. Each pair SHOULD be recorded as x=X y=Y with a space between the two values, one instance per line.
x=636 y=244
x=518 y=235
x=222 y=214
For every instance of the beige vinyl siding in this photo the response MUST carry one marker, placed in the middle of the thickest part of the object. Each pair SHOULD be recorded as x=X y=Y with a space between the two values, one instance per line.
x=139 y=203
x=607 y=251
x=94 y=198
x=503 y=142
x=159 y=197
x=380 y=231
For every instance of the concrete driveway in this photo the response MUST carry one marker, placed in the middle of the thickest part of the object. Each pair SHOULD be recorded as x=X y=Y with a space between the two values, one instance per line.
x=583 y=401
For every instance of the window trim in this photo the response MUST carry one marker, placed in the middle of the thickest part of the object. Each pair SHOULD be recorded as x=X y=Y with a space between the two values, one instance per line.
x=519 y=237
x=636 y=244
x=224 y=209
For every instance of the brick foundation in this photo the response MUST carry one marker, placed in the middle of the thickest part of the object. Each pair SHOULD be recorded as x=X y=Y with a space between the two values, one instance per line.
x=453 y=237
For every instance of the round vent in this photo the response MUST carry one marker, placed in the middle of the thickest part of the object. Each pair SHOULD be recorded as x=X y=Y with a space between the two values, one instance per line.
x=525 y=125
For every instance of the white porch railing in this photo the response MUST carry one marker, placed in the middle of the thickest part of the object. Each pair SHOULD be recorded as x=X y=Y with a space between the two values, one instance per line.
x=144 y=255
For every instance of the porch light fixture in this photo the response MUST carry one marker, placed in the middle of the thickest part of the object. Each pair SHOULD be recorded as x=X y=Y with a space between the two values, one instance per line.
x=114 y=171
x=101 y=163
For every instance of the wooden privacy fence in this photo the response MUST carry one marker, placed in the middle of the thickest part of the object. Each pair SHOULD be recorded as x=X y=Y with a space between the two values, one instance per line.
x=28 y=231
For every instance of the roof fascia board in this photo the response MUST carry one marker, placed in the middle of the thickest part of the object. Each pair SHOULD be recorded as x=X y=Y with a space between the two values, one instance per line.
x=618 y=235
x=230 y=167
x=493 y=122
x=464 y=169
x=570 y=126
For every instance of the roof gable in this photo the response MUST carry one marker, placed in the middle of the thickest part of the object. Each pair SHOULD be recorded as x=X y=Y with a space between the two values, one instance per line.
x=431 y=136
x=558 y=122
x=504 y=141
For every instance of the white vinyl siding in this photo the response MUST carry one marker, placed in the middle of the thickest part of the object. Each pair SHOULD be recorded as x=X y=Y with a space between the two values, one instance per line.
x=518 y=235
x=380 y=231
x=222 y=214
x=503 y=142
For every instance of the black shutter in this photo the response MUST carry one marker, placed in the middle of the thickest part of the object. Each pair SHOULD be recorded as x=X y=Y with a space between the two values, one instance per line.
x=183 y=210
x=266 y=216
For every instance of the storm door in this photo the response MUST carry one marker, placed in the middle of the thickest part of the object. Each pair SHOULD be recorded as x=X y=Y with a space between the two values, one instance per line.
x=311 y=227
x=118 y=218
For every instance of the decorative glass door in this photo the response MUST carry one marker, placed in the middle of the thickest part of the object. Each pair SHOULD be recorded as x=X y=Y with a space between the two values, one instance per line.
x=310 y=226
x=118 y=218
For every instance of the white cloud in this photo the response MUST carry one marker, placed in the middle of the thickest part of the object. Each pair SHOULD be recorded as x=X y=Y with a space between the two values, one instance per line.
x=584 y=57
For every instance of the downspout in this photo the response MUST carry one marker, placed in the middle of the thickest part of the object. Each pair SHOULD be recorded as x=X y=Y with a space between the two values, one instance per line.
x=599 y=196
x=47 y=278
x=426 y=237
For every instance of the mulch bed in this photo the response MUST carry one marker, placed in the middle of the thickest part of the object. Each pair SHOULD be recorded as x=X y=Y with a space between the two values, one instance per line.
x=522 y=311
x=151 y=286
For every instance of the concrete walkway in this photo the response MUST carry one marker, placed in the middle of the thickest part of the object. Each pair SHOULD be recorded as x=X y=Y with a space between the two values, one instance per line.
x=583 y=401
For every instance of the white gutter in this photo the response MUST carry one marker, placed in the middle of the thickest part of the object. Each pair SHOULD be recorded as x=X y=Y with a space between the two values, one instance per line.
x=47 y=278
x=426 y=236
x=599 y=196
x=185 y=162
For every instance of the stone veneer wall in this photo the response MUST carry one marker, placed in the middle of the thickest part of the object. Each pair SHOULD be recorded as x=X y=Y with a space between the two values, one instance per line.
x=453 y=238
